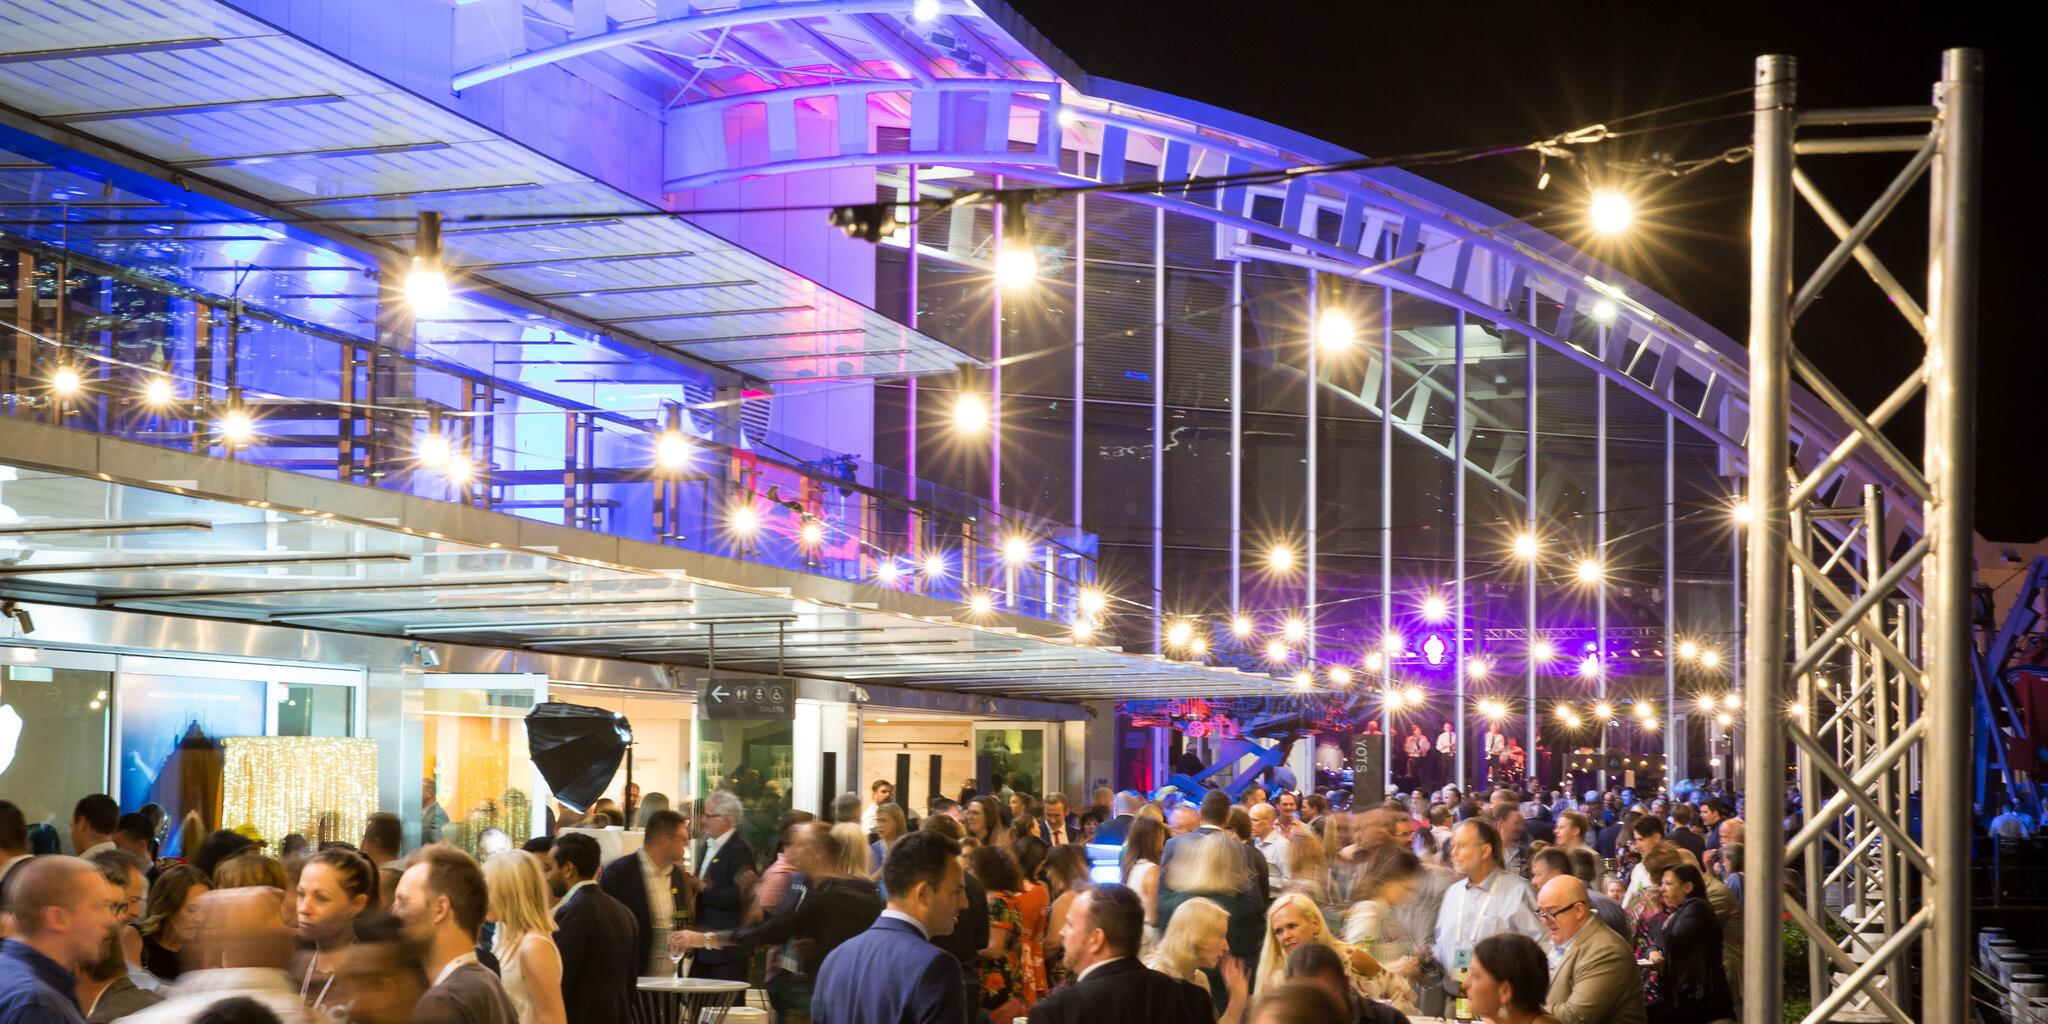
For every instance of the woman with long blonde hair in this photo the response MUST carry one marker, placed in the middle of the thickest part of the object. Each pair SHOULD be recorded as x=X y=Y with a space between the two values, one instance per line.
x=1295 y=919
x=851 y=849
x=529 y=964
x=1197 y=938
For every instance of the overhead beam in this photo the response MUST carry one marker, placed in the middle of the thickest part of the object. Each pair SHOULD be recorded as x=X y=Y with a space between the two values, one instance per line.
x=202 y=563
x=255 y=159
x=187 y=109
x=96 y=529
x=107 y=50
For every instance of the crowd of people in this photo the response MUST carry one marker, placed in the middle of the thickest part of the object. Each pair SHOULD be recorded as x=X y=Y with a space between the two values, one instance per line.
x=1263 y=908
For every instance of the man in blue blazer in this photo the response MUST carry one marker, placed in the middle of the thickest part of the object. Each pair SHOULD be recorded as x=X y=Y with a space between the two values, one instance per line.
x=891 y=973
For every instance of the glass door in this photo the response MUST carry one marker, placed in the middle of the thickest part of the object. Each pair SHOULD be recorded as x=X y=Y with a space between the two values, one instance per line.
x=1009 y=756
x=475 y=772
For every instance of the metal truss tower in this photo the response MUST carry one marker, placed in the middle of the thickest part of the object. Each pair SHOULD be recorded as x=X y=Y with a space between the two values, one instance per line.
x=1860 y=647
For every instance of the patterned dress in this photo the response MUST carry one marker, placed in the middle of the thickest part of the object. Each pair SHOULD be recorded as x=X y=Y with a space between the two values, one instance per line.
x=1646 y=916
x=1034 y=905
x=1003 y=979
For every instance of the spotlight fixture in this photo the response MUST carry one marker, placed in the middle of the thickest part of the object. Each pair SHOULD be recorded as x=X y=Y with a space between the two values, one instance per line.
x=1414 y=695
x=1179 y=632
x=1395 y=700
x=1066 y=117
x=1082 y=630
x=1646 y=712
x=1603 y=711
x=459 y=470
x=1588 y=570
x=426 y=284
x=1725 y=719
x=1198 y=647
x=1733 y=701
x=1564 y=712
x=1688 y=650
x=1391 y=643
x=1276 y=652
x=1334 y=331
x=1610 y=212
x=236 y=427
x=744 y=520
x=1710 y=658
x=1303 y=679
x=1477 y=668
x=1741 y=513
x=922 y=11
x=869 y=222
x=1435 y=608
x=888 y=573
x=935 y=566
x=1374 y=661
x=811 y=533
x=1542 y=650
x=25 y=622
x=1589 y=666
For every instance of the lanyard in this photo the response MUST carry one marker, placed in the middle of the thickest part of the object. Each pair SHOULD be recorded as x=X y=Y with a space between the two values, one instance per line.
x=465 y=958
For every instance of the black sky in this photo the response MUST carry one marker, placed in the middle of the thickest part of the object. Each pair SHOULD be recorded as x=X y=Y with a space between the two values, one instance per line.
x=1388 y=79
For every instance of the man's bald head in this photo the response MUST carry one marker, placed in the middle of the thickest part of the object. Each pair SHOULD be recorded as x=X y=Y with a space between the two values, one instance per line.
x=61 y=907
x=1563 y=907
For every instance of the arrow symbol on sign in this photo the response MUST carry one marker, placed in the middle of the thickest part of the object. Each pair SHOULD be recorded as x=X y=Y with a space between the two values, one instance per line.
x=718 y=693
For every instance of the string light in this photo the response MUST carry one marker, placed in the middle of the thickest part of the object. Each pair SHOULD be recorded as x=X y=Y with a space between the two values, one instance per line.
x=1294 y=629
x=744 y=520
x=1276 y=652
x=1527 y=546
x=980 y=603
x=158 y=391
x=321 y=787
x=1334 y=331
x=1092 y=601
x=433 y=449
x=1610 y=212
x=1017 y=550
x=65 y=382
x=671 y=450
x=1280 y=558
x=1340 y=675
x=1242 y=626
x=426 y=284
x=970 y=413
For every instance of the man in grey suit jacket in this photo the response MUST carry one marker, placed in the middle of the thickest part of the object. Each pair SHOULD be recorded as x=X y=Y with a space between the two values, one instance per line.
x=1596 y=980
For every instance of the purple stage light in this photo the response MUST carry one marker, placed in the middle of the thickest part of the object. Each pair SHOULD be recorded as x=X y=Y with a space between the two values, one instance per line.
x=1433 y=649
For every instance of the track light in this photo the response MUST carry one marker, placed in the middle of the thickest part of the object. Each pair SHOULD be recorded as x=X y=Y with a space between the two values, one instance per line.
x=426 y=283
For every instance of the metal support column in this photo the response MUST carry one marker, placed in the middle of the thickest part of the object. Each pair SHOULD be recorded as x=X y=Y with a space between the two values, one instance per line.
x=1308 y=590
x=1674 y=738
x=1080 y=354
x=1535 y=558
x=1388 y=656
x=1236 y=439
x=1770 y=368
x=1461 y=661
x=1158 y=430
x=1600 y=556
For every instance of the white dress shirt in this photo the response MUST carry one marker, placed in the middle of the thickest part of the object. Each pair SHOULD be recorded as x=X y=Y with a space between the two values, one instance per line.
x=1501 y=903
x=661 y=916
x=1446 y=742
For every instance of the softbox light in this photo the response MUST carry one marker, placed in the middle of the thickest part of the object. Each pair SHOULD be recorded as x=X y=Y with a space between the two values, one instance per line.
x=577 y=749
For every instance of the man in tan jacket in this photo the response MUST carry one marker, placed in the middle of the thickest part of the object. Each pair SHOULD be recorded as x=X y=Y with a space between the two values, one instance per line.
x=1596 y=980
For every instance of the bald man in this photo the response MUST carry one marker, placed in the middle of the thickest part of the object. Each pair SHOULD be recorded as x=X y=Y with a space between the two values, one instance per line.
x=1595 y=980
x=62 y=918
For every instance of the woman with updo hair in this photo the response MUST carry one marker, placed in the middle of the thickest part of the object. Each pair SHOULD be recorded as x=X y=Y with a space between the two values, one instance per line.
x=336 y=888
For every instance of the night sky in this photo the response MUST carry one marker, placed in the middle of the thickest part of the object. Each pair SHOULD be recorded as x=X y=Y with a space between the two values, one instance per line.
x=1410 y=78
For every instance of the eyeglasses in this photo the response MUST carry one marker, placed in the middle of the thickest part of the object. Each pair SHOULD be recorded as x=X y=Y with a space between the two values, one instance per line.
x=1552 y=915
x=116 y=906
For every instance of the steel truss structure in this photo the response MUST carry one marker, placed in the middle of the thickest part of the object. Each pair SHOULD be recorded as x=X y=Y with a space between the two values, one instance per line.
x=1872 y=683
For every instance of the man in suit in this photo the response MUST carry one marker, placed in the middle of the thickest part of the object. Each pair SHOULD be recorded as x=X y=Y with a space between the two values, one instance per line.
x=892 y=973
x=1114 y=830
x=726 y=870
x=1595 y=980
x=596 y=934
x=1101 y=938
x=969 y=934
x=655 y=889
x=1215 y=812
x=1061 y=828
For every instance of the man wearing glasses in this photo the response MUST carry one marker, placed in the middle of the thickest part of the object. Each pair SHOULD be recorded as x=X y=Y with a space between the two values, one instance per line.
x=1595 y=980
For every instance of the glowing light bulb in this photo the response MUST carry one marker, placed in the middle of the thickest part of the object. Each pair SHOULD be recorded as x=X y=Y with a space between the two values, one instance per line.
x=1526 y=546
x=888 y=573
x=1016 y=265
x=1707 y=702
x=1610 y=212
x=1588 y=571
x=1604 y=311
x=1016 y=550
x=980 y=603
x=434 y=449
x=1589 y=667
x=1340 y=675
x=157 y=391
x=1334 y=332
x=811 y=534
x=1435 y=608
x=1179 y=632
x=970 y=413
x=1646 y=712
x=671 y=450
x=1564 y=713
x=1572 y=719
x=935 y=566
x=1242 y=626
x=1395 y=700
x=744 y=520
x=1603 y=711
x=1710 y=658
x=1303 y=679
x=1688 y=650
x=65 y=382
x=1083 y=630
x=1414 y=694
x=1733 y=701
x=1477 y=668
x=1542 y=650
x=1093 y=601
x=1276 y=651
x=426 y=288
x=237 y=428
x=1198 y=647
x=1280 y=558
x=924 y=10
x=1374 y=661
x=1741 y=513
x=1797 y=709
x=459 y=470
x=1648 y=725
x=1725 y=719
x=1066 y=117
x=1391 y=643
x=1294 y=629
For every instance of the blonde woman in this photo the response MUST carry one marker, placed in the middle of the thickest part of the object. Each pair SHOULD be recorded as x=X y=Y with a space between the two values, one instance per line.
x=853 y=852
x=529 y=964
x=1197 y=938
x=1295 y=919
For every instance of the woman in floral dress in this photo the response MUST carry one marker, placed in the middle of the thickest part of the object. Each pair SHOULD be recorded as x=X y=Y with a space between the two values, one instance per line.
x=1002 y=970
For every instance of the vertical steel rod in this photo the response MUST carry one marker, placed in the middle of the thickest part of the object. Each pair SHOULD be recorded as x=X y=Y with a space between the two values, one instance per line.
x=1600 y=551
x=995 y=398
x=1080 y=353
x=1387 y=660
x=1158 y=429
x=1673 y=741
x=1951 y=477
x=1535 y=558
x=1770 y=344
x=1460 y=662
x=1308 y=594
x=1237 y=439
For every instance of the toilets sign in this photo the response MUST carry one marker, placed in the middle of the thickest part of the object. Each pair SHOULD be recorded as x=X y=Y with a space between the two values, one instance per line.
x=728 y=699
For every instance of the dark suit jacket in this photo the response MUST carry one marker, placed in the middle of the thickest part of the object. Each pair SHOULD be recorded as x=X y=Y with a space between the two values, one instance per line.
x=1605 y=841
x=970 y=932
x=598 y=938
x=889 y=974
x=1114 y=831
x=722 y=906
x=621 y=881
x=1127 y=992
x=1073 y=829
x=1687 y=839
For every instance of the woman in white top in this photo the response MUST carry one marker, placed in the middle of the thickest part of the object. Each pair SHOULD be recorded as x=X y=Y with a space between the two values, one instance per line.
x=529 y=965
x=1142 y=850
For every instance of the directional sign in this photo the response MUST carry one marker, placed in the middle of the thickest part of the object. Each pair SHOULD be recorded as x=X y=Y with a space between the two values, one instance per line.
x=725 y=698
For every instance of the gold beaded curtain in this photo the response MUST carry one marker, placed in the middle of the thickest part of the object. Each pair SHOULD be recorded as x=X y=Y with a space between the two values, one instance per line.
x=321 y=787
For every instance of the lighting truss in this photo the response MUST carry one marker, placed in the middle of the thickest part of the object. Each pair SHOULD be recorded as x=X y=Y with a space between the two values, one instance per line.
x=1872 y=682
